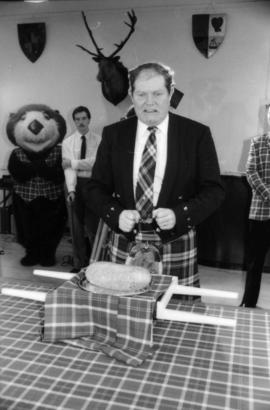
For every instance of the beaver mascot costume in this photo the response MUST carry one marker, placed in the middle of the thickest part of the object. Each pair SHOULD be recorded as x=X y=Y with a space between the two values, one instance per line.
x=38 y=178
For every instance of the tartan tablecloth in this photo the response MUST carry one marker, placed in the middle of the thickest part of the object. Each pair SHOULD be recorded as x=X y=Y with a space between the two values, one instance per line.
x=119 y=326
x=194 y=367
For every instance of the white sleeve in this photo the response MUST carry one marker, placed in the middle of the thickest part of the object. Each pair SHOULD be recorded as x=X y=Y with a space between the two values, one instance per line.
x=70 y=174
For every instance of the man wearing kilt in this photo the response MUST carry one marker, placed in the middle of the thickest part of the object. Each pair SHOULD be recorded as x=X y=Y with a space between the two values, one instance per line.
x=156 y=177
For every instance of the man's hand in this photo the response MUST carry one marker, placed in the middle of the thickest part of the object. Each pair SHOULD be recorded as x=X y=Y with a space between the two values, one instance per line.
x=66 y=163
x=71 y=197
x=128 y=219
x=165 y=218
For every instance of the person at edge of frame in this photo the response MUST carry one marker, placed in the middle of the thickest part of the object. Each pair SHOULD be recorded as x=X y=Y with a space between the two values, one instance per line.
x=258 y=176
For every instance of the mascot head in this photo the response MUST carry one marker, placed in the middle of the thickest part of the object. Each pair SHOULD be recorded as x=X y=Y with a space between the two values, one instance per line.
x=36 y=128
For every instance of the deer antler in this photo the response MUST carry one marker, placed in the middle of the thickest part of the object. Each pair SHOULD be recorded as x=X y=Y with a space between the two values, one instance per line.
x=99 y=53
x=133 y=20
x=131 y=25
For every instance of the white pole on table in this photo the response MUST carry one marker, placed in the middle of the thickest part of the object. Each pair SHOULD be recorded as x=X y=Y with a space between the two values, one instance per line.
x=54 y=274
x=25 y=294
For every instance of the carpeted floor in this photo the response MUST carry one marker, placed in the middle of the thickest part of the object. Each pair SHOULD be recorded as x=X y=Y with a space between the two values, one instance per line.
x=12 y=252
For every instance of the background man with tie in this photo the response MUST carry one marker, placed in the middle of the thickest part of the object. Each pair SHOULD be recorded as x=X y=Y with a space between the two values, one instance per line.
x=186 y=186
x=79 y=153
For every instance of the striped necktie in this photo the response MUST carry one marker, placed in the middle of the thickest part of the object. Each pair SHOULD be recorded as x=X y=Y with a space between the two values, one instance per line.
x=144 y=187
x=83 y=147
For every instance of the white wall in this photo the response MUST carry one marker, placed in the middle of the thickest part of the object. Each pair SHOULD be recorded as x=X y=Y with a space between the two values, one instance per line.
x=226 y=91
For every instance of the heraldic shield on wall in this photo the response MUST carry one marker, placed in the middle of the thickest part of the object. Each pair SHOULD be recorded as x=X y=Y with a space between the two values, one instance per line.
x=208 y=32
x=32 y=39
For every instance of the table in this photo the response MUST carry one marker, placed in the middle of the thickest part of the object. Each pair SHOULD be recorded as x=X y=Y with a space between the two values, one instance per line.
x=195 y=366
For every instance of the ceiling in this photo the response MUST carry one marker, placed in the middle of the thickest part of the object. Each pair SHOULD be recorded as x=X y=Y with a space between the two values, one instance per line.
x=145 y=3
x=211 y=2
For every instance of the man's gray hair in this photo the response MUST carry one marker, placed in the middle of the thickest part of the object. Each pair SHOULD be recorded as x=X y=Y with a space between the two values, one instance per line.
x=159 y=68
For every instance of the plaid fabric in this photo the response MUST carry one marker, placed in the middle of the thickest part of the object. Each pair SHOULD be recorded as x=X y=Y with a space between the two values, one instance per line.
x=121 y=327
x=179 y=257
x=144 y=187
x=37 y=186
x=147 y=236
x=258 y=176
x=194 y=366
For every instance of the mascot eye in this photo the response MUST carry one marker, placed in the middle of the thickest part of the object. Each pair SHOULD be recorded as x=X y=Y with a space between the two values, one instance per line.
x=22 y=117
x=46 y=116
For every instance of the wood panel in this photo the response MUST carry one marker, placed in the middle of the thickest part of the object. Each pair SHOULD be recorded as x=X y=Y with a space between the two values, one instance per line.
x=222 y=238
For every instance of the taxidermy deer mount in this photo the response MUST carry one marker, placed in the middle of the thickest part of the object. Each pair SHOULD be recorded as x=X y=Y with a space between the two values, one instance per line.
x=112 y=74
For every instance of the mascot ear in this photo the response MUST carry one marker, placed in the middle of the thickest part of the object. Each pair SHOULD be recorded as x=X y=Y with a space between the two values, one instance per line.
x=10 y=129
x=12 y=120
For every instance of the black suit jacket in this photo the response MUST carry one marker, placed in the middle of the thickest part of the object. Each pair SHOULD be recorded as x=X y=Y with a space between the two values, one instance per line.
x=191 y=187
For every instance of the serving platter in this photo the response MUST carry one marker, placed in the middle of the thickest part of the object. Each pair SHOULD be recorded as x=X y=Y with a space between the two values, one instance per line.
x=162 y=310
x=84 y=284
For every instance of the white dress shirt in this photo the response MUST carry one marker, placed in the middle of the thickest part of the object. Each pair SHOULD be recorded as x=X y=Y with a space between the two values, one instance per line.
x=161 y=159
x=71 y=149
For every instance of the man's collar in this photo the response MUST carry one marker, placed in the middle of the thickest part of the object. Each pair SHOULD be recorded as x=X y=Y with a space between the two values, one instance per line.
x=163 y=126
x=86 y=134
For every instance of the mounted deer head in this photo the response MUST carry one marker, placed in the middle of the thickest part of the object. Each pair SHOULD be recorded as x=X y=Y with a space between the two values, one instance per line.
x=112 y=74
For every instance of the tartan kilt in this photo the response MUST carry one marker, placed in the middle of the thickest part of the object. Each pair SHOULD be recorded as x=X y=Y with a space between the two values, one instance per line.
x=179 y=257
